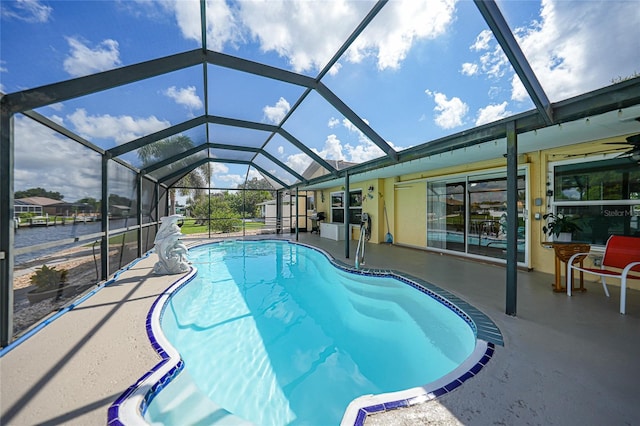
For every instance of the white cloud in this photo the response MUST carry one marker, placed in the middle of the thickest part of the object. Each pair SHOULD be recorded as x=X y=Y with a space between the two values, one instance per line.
x=43 y=158
x=57 y=119
x=253 y=173
x=469 y=69
x=333 y=122
x=450 y=112
x=185 y=96
x=82 y=60
x=231 y=180
x=494 y=63
x=276 y=113
x=122 y=129
x=400 y=24
x=353 y=129
x=298 y=162
x=58 y=106
x=492 y=113
x=573 y=47
x=32 y=11
x=482 y=41
x=217 y=168
x=281 y=150
x=223 y=27
x=335 y=68
x=363 y=152
x=332 y=149
x=220 y=173
x=307 y=33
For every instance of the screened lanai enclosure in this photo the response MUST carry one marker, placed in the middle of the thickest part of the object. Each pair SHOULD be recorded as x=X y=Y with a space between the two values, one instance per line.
x=243 y=116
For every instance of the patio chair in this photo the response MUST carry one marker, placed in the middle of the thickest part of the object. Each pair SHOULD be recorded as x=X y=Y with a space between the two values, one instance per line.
x=621 y=253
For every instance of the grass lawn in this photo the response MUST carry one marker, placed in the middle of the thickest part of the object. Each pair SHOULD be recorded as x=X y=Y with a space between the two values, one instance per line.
x=190 y=227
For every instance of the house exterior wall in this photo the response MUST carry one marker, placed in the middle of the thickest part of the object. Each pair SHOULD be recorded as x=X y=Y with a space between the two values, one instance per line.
x=406 y=207
x=410 y=209
x=410 y=204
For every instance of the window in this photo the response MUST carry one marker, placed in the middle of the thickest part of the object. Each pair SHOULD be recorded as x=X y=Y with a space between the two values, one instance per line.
x=337 y=207
x=603 y=196
x=355 y=206
x=311 y=201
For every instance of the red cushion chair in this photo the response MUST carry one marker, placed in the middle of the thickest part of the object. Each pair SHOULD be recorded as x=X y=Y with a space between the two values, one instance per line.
x=621 y=253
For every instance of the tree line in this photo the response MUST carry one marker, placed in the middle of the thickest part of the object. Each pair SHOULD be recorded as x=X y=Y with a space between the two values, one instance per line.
x=221 y=211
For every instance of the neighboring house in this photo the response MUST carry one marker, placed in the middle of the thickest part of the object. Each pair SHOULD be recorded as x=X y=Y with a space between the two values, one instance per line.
x=22 y=206
x=316 y=170
x=268 y=211
x=117 y=210
x=47 y=206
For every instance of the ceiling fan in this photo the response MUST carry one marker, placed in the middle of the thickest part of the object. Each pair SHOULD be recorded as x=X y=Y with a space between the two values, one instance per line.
x=634 y=152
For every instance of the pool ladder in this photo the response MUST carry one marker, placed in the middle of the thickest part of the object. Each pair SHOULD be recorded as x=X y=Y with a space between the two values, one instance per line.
x=361 y=243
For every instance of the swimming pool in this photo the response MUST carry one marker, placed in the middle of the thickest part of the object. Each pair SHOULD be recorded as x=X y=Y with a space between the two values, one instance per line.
x=272 y=333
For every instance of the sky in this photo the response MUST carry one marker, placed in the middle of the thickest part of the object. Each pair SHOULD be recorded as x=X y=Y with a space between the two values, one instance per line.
x=420 y=71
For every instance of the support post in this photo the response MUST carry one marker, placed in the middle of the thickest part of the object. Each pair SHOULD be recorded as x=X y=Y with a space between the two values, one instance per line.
x=244 y=207
x=139 y=207
x=347 y=200
x=290 y=211
x=512 y=218
x=209 y=211
x=297 y=215
x=104 y=220
x=278 y=212
x=6 y=225
x=157 y=218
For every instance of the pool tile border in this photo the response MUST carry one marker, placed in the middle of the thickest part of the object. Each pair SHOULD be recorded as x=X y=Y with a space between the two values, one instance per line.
x=364 y=412
x=130 y=407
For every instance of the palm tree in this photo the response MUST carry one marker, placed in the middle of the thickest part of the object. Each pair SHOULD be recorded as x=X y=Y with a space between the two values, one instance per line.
x=165 y=148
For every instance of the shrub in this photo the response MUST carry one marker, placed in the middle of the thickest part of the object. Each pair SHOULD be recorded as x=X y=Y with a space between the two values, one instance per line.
x=46 y=278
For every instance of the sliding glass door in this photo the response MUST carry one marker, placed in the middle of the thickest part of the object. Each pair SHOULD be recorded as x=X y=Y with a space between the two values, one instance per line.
x=446 y=217
x=468 y=214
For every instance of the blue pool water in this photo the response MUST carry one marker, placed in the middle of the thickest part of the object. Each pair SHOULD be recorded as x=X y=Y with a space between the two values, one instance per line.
x=274 y=334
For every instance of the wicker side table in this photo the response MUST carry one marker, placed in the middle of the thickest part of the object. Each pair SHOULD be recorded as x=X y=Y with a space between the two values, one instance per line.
x=563 y=252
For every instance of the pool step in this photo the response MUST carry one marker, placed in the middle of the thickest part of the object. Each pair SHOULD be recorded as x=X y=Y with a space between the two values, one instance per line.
x=184 y=399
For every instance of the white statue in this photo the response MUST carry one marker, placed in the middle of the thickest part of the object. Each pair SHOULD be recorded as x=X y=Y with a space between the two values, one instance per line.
x=172 y=253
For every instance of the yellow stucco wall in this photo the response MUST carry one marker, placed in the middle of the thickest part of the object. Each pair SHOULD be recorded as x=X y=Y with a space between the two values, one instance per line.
x=410 y=209
x=406 y=207
x=371 y=205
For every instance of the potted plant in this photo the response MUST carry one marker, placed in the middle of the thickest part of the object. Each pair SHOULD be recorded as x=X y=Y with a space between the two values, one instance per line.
x=560 y=226
x=49 y=282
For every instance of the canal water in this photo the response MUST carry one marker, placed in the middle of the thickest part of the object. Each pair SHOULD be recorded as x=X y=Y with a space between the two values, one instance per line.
x=25 y=237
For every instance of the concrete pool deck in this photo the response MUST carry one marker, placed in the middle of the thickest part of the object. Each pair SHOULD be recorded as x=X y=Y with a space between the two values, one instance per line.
x=565 y=360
